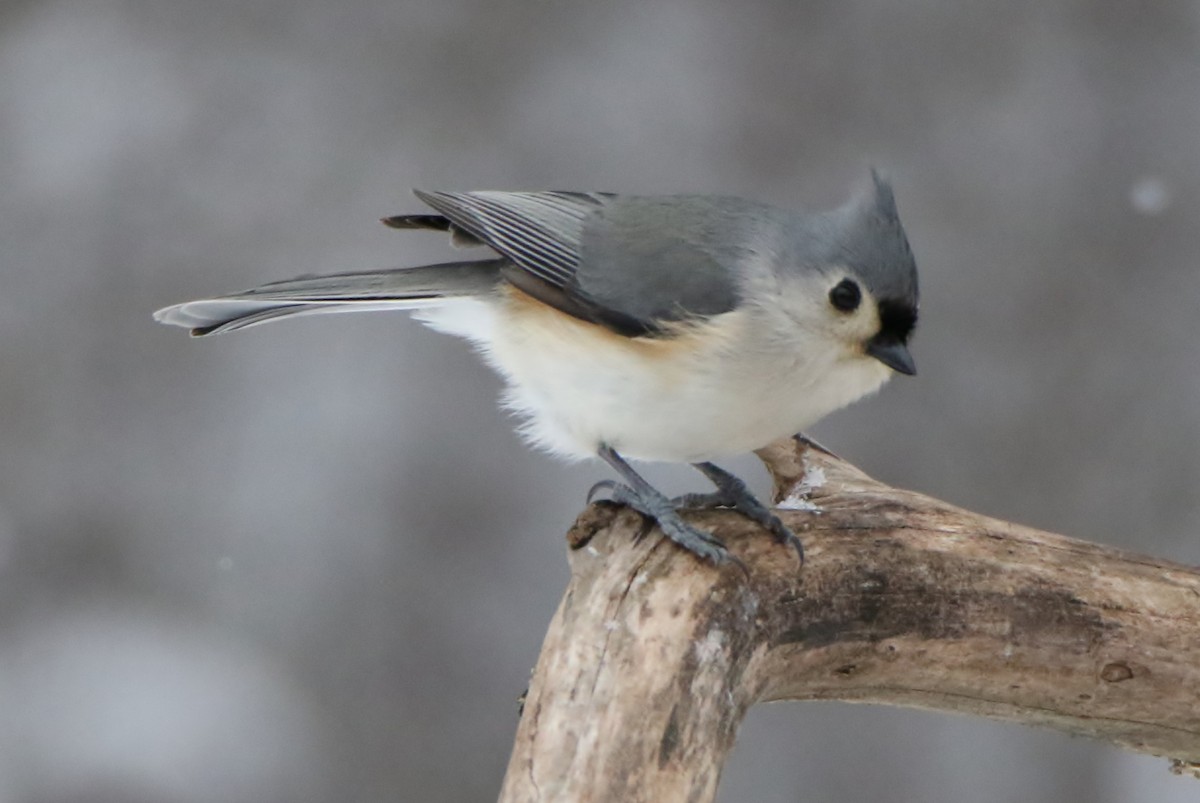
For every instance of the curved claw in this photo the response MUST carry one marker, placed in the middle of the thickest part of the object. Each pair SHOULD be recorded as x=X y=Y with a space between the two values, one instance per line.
x=784 y=535
x=602 y=485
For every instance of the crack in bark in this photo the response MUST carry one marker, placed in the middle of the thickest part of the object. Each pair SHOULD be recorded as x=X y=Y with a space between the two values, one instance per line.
x=894 y=692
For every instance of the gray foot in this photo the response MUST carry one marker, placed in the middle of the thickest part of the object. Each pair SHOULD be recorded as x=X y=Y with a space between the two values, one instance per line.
x=645 y=499
x=733 y=493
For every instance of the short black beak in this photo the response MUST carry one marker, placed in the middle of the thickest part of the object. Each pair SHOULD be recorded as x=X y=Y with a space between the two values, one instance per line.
x=893 y=354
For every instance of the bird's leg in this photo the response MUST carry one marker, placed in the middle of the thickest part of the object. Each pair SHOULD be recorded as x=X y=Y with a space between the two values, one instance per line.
x=640 y=495
x=733 y=493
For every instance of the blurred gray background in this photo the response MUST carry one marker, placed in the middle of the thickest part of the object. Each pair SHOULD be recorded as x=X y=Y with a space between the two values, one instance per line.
x=312 y=562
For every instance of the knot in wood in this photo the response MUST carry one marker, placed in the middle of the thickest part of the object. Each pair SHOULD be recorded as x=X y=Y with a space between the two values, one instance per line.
x=1116 y=672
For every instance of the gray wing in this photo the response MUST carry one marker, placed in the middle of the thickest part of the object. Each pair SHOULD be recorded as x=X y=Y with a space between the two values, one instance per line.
x=629 y=263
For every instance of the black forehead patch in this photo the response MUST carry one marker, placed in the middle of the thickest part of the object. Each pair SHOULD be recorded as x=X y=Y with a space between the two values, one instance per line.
x=897 y=319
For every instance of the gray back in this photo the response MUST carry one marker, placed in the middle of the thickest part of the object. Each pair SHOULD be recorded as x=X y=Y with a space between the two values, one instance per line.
x=669 y=258
x=636 y=263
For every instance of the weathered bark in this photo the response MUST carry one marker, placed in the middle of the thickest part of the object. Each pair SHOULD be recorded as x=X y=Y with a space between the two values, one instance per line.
x=653 y=657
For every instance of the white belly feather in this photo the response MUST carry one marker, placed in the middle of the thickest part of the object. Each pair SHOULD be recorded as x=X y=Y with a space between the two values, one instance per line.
x=720 y=388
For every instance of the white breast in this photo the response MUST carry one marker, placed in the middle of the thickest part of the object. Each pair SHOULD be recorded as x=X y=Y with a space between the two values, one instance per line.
x=720 y=388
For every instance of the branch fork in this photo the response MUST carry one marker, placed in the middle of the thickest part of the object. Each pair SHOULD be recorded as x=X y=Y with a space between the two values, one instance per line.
x=653 y=657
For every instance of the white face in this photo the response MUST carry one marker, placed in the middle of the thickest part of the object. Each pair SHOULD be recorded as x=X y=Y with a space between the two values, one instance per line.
x=832 y=308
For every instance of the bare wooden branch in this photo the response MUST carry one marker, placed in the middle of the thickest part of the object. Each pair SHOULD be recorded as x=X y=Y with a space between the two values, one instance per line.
x=653 y=657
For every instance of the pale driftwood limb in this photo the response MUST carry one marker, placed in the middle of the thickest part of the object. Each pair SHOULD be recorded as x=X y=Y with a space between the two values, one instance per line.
x=653 y=658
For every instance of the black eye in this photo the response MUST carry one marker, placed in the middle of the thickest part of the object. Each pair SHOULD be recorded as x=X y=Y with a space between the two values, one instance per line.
x=846 y=296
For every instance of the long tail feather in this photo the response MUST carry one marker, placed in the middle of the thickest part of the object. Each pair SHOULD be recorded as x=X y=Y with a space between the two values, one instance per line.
x=403 y=288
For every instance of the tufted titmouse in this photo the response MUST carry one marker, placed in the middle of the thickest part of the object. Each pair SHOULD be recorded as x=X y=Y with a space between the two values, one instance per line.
x=677 y=328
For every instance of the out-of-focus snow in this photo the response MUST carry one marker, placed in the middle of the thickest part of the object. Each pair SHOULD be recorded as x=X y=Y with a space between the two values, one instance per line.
x=1150 y=196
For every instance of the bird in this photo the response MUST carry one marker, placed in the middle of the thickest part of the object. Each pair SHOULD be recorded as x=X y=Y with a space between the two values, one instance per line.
x=672 y=328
